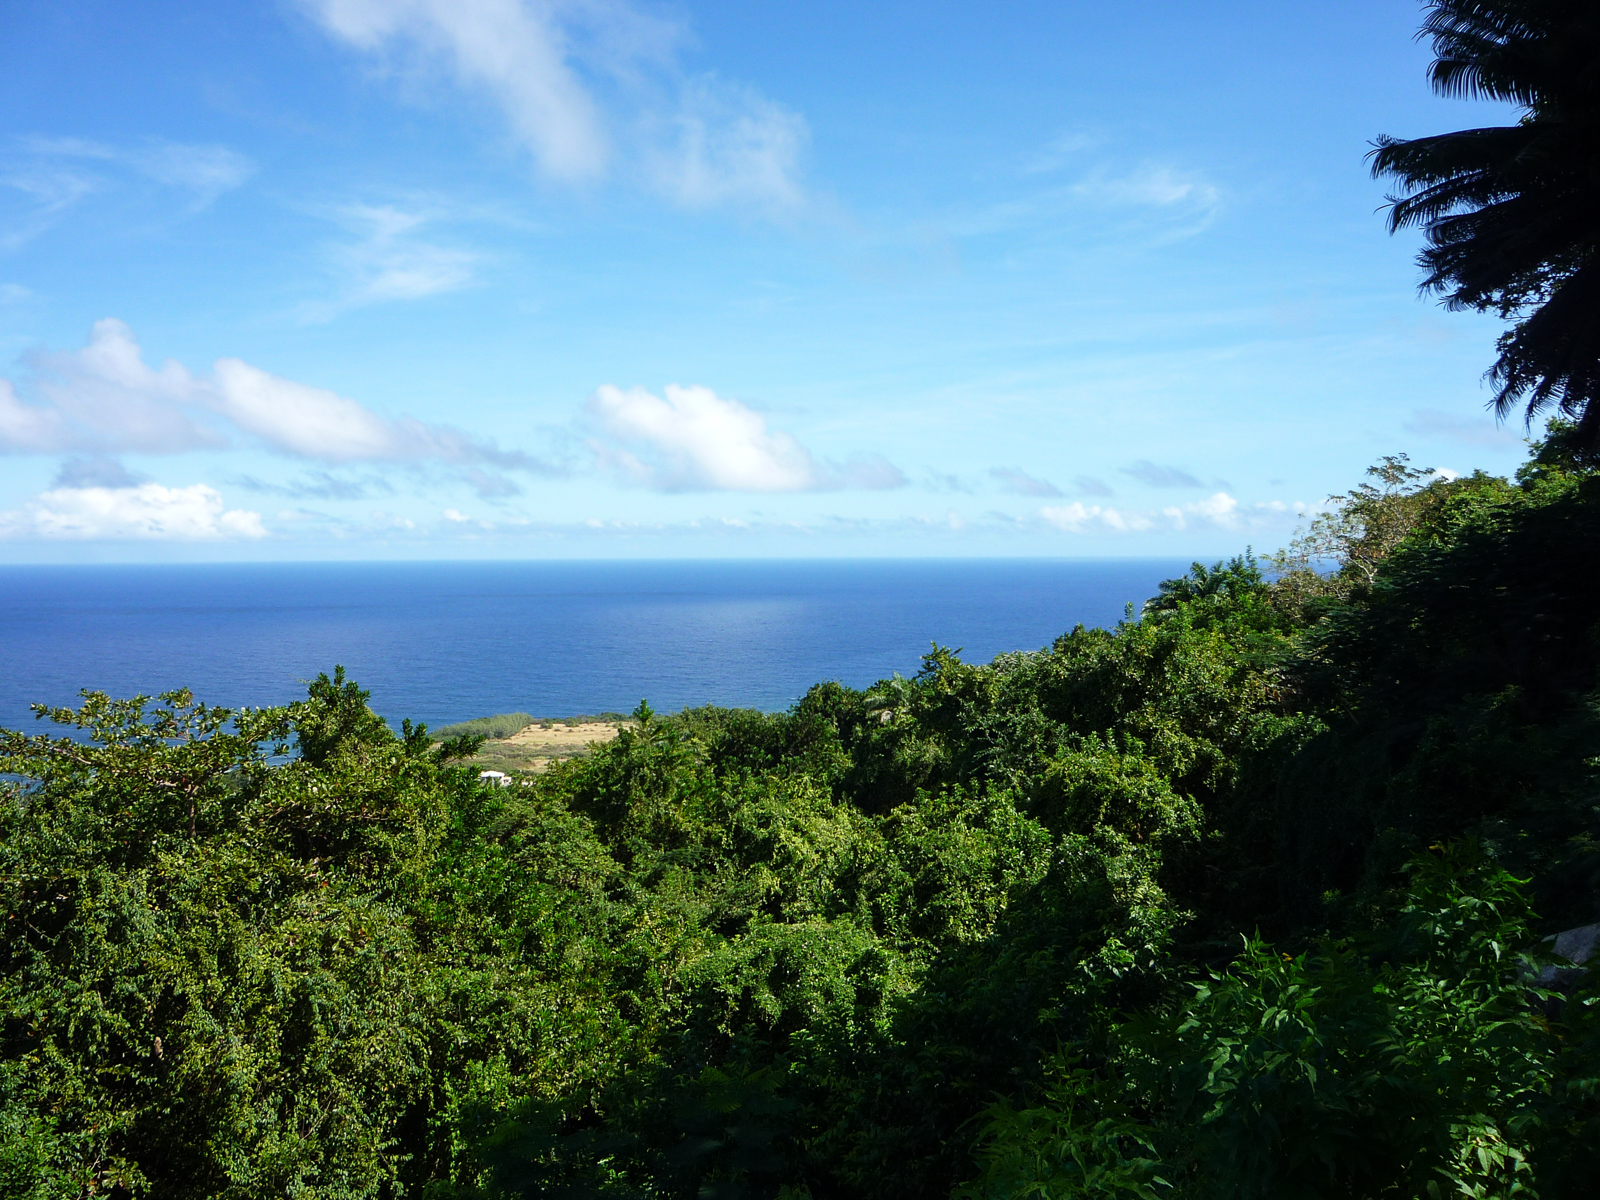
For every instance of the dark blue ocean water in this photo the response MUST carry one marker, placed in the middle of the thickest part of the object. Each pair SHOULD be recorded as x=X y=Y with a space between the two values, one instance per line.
x=443 y=642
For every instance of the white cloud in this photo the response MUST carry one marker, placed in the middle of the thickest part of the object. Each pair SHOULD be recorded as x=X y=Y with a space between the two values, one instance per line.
x=699 y=440
x=307 y=421
x=312 y=422
x=694 y=440
x=701 y=141
x=29 y=426
x=1218 y=511
x=1079 y=517
x=105 y=399
x=147 y=511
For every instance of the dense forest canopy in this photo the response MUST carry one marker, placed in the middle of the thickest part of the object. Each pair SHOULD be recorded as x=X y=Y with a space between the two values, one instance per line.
x=1243 y=897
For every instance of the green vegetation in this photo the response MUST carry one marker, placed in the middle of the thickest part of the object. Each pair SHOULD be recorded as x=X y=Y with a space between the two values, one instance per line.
x=501 y=725
x=1243 y=897
x=607 y=718
x=1247 y=897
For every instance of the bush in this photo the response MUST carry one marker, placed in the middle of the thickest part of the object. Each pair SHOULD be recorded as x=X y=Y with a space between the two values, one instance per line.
x=501 y=725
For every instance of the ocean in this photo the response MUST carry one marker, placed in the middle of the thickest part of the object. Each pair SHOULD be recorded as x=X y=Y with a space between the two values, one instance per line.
x=443 y=642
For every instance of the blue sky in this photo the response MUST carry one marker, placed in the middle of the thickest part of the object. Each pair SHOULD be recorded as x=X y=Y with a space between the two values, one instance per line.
x=606 y=278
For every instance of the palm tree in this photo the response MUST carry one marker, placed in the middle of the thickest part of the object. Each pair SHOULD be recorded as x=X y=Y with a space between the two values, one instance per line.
x=1512 y=213
x=1227 y=580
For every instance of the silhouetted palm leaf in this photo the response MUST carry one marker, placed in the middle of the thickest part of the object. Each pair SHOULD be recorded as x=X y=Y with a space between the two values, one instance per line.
x=1512 y=213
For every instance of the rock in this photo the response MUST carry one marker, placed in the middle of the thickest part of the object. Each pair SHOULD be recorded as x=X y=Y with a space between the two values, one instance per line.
x=1577 y=946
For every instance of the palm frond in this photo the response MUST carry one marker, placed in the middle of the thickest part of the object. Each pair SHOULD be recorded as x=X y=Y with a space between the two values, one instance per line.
x=1512 y=213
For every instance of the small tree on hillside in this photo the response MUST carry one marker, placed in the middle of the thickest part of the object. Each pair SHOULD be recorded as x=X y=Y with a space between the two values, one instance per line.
x=1341 y=551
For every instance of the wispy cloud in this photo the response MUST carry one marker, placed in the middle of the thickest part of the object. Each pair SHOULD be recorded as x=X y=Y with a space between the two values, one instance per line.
x=1063 y=150
x=490 y=485
x=204 y=171
x=44 y=191
x=731 y=145
x=98 y=472
x=1150 y=202
x=519 y=55
x=691 y=439
x=1150 y=185
x=1218 y=512
x=52 y=175
x=1158 y=476
x=318 y=485
x=1162 y=202
x=1022 y=483
x=389 y=260
x=940 y=481
x=208 y=171
x=1088 y=485
x=545 y=67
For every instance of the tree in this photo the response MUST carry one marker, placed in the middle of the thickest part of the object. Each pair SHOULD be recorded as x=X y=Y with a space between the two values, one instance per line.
x=1355 y=535
x=1512 y=213
x=1227 y=580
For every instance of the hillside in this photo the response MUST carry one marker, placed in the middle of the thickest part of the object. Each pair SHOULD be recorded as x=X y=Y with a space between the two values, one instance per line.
x=1243 y=897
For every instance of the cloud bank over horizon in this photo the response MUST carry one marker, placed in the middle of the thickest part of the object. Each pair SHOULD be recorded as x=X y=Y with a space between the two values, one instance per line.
x=140 y=512
x=1217 y=511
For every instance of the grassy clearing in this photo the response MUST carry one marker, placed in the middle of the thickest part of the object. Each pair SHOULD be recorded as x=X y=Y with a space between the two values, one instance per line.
x=538 y=741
